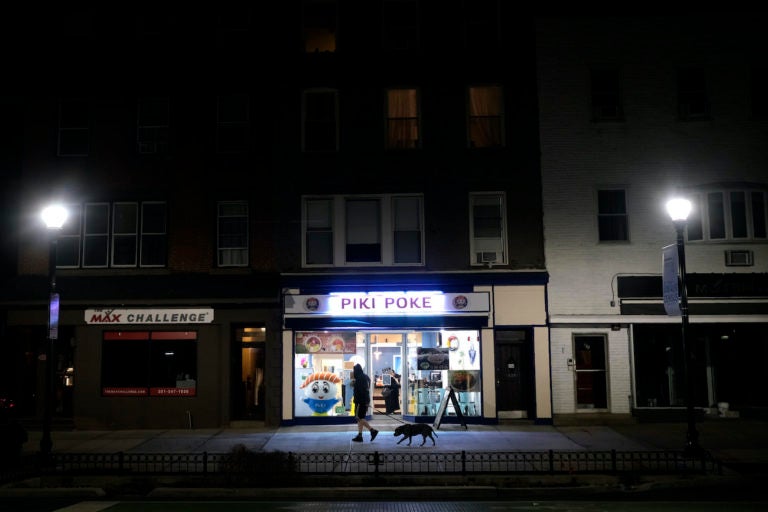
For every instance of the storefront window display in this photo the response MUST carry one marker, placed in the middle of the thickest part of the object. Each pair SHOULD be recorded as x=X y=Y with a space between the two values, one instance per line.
x=427 y=364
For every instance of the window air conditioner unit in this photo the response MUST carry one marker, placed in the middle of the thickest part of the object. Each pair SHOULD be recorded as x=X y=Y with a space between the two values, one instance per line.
x=738 y=259
x=488 y=257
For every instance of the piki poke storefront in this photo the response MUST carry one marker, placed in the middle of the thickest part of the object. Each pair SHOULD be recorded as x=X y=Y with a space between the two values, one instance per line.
x=418 y=347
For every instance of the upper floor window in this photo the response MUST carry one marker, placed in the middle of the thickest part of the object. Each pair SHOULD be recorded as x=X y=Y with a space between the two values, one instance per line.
x=363 y=230
x=606 y=95
x=481 y=24
x=485 y=116
x=123 y=234
x=400 y=24
x=320 y=120
x=728 y=215
x=232 y=234
x=488 y=228
x=232 y=123
x=692 y=97
x=152 y=125
x=612 y=221
x=402 y=119
x=74 y=133
x=320 y=26
x=759 y=78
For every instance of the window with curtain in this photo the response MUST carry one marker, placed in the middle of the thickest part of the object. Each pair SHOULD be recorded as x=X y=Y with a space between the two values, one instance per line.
x=486 y=117
x=402 y=119
x=319 y=26
x=232 y=234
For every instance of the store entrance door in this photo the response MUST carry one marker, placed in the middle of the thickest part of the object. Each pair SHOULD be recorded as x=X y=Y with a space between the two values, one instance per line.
x=513 y=374
x=248 y=374
x=386 y=355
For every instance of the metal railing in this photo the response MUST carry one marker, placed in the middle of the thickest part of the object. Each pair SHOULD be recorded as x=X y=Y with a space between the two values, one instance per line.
x=328 y=463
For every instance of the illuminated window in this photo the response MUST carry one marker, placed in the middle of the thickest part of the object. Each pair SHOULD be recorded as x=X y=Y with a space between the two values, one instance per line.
x=485 y=121
x=402 y=119
x=319 y=26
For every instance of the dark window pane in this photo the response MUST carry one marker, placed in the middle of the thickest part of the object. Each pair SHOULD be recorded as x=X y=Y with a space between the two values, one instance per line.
x=95 y=251
x=363 y=253
x=68 y=252
x=611 y=201
x=613 y=228
x=172 y=360
x=716 y=215
x=319 y=248
x=125 y=363
x=125 y=250
x=758 y=214
x=739 y=214
x=153 y=218
x=153 y=250
x=407 y=247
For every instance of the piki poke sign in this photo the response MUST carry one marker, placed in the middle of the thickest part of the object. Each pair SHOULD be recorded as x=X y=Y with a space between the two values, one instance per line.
x=422 y=303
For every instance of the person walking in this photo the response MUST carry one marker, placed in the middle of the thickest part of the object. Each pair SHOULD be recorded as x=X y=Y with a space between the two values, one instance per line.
x=361 y=394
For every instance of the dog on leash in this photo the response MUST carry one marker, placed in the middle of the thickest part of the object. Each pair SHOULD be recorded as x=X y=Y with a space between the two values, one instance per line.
x=409 y=430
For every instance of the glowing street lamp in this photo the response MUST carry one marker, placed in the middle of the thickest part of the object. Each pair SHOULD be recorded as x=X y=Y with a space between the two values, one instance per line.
x=54 y=218
x=679 y=209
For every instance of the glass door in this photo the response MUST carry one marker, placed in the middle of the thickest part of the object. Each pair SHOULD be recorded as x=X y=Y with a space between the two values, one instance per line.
x=386 y=371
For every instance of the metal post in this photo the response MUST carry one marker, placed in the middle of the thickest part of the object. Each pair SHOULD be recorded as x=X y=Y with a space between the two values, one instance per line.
x=692 y=435
x=46 y=443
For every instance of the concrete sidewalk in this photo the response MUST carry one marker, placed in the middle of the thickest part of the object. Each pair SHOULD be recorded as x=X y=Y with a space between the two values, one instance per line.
x=729 y=440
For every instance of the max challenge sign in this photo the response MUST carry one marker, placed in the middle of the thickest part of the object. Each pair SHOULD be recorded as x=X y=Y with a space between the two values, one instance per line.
x=388 y=303
x=149 y=316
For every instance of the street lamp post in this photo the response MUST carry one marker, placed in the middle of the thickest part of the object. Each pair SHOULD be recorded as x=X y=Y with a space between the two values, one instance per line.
x=54 y=218
x=678 y=210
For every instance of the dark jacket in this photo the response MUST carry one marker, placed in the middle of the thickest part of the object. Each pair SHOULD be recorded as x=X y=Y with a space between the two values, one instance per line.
x=361 y=390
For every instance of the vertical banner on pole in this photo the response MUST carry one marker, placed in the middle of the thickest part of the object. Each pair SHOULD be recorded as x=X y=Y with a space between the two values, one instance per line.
x=670 y=266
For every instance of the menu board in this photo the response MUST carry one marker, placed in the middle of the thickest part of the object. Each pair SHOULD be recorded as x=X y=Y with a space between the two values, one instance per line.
x=432 y=358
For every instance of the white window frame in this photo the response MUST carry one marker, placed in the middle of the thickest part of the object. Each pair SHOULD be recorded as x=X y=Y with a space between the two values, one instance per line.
x=125 y=235
x=601 y=215
x=145 y=234
x=338 y=228
x=702 y=214
x=71 y=234
x=479 y=244
x=222 y=250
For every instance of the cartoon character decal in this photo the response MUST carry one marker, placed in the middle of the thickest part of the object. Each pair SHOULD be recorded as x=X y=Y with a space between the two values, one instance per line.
x=320 y=389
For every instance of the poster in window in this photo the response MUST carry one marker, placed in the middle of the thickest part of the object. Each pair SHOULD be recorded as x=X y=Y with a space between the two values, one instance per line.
x=432 y=358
